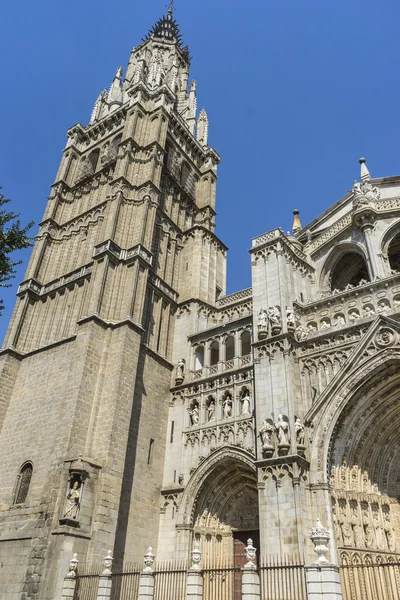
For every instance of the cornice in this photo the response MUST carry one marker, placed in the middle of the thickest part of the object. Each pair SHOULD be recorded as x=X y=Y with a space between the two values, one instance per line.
x=209 y=233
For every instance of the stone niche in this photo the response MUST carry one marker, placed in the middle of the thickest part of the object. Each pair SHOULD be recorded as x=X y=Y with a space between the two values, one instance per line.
x=78 y=489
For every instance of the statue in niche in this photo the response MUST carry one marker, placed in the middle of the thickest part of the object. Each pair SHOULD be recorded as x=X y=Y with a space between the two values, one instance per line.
x=73 y=501
x=380 y=543
x=274 y=318
x=180 y=371
x=368 y=529
x=246 y=405
x=194 y=415
x=299 y=428
x=227 y=407
x=211 y=410
x=358 y=531
x=282 y=431
x=389 y=533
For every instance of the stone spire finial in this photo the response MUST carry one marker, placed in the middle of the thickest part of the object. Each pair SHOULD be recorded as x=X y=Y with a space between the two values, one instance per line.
x=149 y=559
x=296 y=221
x=320 y=537
x=202 y=128
x=171 y=8
x=115 y=89
x=364 y=170
x=73 y=566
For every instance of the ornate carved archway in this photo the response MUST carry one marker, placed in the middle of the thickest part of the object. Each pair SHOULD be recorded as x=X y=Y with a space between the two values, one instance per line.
x=357 y=444
x=220 y=499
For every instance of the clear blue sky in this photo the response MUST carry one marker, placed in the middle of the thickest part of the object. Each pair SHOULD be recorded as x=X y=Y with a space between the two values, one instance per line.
x=296 y=91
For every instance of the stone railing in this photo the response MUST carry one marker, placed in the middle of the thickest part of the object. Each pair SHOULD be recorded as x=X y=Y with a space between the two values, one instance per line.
x=236 y=297
x=229 y=365
x=348 y=307
x=41 y=290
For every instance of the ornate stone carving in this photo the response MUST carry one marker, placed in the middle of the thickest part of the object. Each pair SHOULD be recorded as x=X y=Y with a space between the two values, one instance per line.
x=180 y=372
x=72 y=503
x=149 y=558
x=108 y=561
x=364 y=193
x=262 y=324
x=73 y=566
x=251 y=553
x=196 y=557
x=290 y=319
x=385 y=337
x=283 y=434
x=246 y=403
x=267 y=440
x=320 y=537
x=300 y=436
x=275 y=320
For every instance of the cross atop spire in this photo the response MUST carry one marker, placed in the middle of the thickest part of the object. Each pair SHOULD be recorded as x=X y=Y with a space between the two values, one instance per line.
x=166 y=28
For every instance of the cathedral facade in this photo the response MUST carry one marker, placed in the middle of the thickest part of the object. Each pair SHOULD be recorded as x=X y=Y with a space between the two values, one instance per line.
x=142 y=406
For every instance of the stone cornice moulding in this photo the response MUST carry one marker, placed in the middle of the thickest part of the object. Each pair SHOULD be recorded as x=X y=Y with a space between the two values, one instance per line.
x=161 y=359
x=96 y=318
x=199 y=228
x=21 y=355
x=202 y=336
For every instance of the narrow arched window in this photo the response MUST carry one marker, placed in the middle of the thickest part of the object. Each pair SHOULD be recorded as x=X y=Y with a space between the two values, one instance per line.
x=94 y=159
x=23 y=483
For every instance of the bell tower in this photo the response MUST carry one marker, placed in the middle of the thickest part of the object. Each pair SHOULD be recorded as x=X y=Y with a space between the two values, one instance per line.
x=126 y=239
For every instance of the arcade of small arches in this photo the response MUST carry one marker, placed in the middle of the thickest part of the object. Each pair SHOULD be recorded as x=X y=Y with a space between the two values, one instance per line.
x=222 y=349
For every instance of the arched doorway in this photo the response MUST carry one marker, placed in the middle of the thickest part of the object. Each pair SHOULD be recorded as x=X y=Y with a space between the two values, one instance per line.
x=220 y=504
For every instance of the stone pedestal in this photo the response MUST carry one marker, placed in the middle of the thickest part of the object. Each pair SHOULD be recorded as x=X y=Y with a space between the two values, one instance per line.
x=146 y=586
x=104 y=589
x=194 y=587
x=68 y=591
x=323 y=582
x=250 y=583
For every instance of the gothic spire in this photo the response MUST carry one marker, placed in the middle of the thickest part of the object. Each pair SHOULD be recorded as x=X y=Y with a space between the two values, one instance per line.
x=166 y=28
x=364 y=170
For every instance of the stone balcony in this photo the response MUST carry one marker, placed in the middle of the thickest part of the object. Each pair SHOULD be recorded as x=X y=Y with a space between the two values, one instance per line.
x=236 y=363
x=340 y=308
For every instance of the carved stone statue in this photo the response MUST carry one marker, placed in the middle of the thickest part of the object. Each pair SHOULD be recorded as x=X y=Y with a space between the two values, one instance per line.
x=275 y=321
x=246 y=405
x=266 y=433
x=347 y=530
x=380 y=543
x=368 y=529
x=73 y=501
x=211 y=410
x=290 y=319
x=336 y=526
x=227 y=407
x=195 y=415
x=301 y=333
x=282 y=431
x=358 y=531
x=262 y=324
x=389 y=533
x=299 y=428
x=180 y=371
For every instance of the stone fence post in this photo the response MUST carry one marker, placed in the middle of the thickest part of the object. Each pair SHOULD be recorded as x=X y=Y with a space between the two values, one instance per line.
x=68 y=590
x=250 y=576
x=323 y=579
x=146 y=583
x=194 y=585
x=105 y=579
